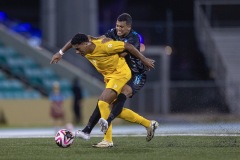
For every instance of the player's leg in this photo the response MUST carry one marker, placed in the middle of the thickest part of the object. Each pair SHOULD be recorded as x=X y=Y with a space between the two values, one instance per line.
x=131 y=116
x=114 y=85
x=132 y=87
x=107 y=97
x=115 y=111
x=117 y=107
x=102 y=109
x=92 y=120
x=85 y=133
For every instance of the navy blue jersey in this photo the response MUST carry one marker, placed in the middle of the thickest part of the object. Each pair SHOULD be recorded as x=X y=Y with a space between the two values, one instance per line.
x=136 y=66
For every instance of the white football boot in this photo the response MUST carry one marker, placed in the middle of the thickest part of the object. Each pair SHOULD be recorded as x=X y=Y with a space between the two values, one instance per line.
x=151 y=130
x=82 y=135
x=103 y=144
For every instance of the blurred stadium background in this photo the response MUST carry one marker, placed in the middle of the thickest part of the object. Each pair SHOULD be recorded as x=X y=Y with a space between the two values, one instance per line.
x=195 y=44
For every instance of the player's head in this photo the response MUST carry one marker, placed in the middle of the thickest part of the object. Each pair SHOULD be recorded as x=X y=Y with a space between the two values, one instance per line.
x=79 y=38
x=80 y=42
x=123 y=24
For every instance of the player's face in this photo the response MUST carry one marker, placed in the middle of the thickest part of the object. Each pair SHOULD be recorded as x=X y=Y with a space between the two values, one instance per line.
x=122 y=28
x=80 y=49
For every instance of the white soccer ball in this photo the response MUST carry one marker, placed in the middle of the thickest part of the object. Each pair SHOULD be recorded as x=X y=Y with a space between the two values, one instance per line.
x=64 y=138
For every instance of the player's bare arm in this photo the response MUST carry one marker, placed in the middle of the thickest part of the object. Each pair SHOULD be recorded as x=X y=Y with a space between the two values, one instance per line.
x=55 y=58
x=67 y=46
x=123 y=54
x=58 y=56
x=146 y=61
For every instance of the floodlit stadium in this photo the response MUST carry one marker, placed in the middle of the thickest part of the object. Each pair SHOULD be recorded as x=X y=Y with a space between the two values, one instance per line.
x=187 y=107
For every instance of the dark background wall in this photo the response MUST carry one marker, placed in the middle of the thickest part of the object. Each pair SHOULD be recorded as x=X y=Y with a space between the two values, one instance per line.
x=165 y=22
x=22 y=10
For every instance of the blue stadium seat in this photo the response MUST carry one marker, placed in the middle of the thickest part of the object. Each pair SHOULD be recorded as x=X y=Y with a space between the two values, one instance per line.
x=20 y=95
x=28 y=70
x=17 y=64
x=2 y=76
x=5 y=53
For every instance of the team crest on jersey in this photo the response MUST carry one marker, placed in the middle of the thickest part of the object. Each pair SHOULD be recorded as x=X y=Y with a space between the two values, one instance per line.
x=110 y=45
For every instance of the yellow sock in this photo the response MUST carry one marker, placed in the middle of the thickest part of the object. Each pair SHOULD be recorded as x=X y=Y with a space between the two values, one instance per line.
x=108 y=134
x=133 y=117
x=105 y=111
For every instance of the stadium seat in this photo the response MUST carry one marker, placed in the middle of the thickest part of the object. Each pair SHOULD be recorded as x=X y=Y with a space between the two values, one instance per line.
x=29 y=71
x=17 y=64
x=6 y=52
x=2 y=76
x=20 y=95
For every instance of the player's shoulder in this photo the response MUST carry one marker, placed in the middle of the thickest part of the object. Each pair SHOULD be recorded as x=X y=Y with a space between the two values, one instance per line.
x=111 y=31
x=133 y=34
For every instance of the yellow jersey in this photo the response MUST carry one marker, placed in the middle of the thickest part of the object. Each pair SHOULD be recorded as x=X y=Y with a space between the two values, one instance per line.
x=106 y=60
x=105 y=57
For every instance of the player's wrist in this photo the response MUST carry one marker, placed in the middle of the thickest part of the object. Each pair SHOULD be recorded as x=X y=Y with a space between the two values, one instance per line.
x=61 y=52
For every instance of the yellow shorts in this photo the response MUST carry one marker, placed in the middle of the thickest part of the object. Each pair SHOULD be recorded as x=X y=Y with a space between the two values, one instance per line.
x=118 y=78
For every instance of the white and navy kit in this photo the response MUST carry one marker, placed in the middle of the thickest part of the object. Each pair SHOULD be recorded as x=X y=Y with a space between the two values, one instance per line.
x=138 y=69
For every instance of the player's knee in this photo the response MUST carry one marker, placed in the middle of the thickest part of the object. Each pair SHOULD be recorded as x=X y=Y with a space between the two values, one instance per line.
x=108 y=95
x=127 y=91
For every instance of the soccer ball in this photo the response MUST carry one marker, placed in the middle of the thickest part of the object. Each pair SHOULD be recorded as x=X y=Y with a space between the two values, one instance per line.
x=64 y=138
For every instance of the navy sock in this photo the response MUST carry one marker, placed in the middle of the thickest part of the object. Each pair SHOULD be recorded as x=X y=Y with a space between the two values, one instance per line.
x=93 y=120
x=117 y=107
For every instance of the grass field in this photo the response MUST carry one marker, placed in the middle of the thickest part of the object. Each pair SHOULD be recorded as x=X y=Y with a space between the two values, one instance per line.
x=126 y=148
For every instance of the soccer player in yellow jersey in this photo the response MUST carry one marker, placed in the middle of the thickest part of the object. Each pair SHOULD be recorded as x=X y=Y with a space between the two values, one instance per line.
x=105 y=58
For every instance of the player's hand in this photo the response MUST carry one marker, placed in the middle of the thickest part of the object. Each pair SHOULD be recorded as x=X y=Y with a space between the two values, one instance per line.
x=56 y=57
x=149 y=63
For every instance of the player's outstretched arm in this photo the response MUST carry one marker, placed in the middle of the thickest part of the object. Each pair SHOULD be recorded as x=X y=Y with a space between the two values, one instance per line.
x=58 y=56
x=66 y=47
x=55 y=58
x=146 y=61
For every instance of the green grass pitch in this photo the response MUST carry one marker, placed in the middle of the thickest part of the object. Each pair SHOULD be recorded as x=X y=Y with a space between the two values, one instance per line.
x=126 y=148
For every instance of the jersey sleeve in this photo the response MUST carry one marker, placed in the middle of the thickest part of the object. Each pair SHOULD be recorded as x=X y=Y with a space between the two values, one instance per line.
x=114 y=47
x=109 y=33
x=135 y=41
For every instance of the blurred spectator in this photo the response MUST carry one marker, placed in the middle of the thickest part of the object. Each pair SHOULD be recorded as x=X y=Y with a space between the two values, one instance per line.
x=77 y=100
x=56 y=106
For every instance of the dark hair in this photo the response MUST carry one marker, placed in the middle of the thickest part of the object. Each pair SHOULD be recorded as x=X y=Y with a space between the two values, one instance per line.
x=79 y=38
x=125 y=17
